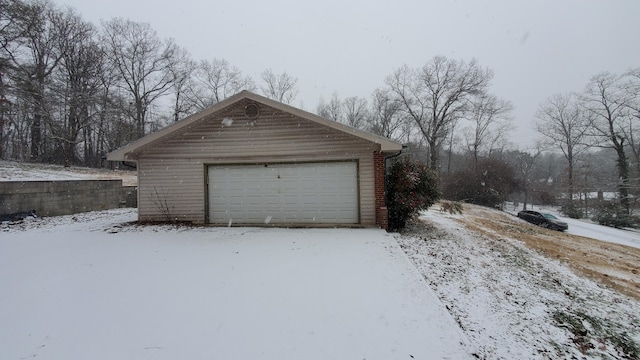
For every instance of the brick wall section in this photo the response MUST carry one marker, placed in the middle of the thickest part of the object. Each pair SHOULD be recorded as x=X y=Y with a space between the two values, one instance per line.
x=53 y=198
x=381 y=209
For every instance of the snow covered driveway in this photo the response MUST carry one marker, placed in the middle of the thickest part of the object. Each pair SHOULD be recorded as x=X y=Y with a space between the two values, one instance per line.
x=84 y=287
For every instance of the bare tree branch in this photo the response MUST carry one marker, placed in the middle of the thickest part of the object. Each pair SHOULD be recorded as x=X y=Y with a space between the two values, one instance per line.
x=143 y=61
x=564 y=125
x=607 y=101
x=437 y=94
x=214 y=81
x=490 y=122
x=282 y=87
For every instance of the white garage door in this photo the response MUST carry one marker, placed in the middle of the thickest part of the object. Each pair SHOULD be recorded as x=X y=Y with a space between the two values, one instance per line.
x=322 y=193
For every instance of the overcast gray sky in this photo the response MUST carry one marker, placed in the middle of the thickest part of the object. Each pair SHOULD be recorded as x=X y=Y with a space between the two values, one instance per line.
x=536 y=47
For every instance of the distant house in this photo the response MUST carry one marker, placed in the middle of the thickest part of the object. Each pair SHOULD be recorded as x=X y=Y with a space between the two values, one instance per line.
x=249 y=160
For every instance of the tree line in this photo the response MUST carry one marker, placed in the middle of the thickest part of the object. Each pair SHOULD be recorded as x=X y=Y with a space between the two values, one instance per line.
x=71 y=91
x=605 y=115
x=586 y=158
x=587 y=142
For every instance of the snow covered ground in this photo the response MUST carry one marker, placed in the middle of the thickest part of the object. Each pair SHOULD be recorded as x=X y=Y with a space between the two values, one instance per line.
x=18 y=171
x=514 y=303
x=94 y=286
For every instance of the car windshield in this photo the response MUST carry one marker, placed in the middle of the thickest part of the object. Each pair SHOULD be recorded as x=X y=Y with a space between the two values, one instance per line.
x=549 y=216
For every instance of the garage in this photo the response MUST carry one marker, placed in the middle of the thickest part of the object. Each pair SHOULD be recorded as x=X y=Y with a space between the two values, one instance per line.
x=249 y=160
x=284 y=193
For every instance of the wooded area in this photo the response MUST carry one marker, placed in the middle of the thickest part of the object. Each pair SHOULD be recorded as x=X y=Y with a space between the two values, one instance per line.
x=71 y=91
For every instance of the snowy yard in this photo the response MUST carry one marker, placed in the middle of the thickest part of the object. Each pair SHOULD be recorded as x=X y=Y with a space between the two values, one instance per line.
x=90 y=286
x=94 y=286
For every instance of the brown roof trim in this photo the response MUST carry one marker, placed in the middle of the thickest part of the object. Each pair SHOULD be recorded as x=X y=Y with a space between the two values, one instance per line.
x=124 y=153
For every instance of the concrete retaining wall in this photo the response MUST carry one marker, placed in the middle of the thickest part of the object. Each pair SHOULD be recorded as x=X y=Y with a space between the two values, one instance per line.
x=53 y=198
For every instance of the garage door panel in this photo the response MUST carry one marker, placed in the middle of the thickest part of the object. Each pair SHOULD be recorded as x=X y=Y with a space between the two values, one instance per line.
x=284 y=193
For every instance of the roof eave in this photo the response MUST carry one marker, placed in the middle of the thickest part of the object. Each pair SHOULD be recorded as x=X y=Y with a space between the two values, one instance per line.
x=121 y=156
x=129 y=152
x=386 y=145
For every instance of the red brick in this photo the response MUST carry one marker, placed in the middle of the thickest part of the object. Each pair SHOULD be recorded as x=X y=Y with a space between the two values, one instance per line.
x=381 y=210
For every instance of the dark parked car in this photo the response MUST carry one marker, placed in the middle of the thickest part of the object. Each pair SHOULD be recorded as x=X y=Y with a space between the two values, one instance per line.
x=543 y=219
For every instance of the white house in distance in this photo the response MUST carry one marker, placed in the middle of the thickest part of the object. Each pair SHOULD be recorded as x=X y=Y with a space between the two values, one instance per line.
x=249 y=160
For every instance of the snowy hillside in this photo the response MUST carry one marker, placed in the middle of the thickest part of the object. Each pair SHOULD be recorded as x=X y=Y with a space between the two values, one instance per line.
x=516 y=303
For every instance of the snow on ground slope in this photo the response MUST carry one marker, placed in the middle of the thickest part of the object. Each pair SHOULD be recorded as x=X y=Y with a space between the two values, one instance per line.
x=94 y=286
x=514 y=303
x=17 y=171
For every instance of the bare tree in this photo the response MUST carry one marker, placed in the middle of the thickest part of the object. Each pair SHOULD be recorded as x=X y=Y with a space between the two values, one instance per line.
x=33 y=60
x=9 y=19
x=523 y=163
x=633 y=90
x=564 y=125
x=355 y=112
x=607 y=102
x=351 y=111
x=68 y=94
x=437 y=94
x=632 y=130
x=490 y=121
x=282 y=87
x=143 y=62
x=331 y=110
x=181 y=71
x=387 y=118
x=78 y=87
x=215 y=80
x=11 y=14
x=16 y=21
x=451 y=140
x=14 y=25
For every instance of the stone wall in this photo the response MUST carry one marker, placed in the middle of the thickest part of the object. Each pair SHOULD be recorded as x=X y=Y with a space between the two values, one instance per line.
x=53 y=198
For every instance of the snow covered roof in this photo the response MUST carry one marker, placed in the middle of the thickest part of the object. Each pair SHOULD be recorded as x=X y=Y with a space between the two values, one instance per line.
x=123 y=153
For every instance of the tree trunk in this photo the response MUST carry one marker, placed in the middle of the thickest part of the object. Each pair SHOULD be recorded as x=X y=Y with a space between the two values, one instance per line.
x=623 y=174
x=37 y=146
x=140 y=118
x=36 y=136
x=450 y=155
x=3 y=106
x=570 y=183
x=433 y=156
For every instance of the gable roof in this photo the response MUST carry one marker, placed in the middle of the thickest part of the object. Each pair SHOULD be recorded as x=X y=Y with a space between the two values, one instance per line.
x=122 y=153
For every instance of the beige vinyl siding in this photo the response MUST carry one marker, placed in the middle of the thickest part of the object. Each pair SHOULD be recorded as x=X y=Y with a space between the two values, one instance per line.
x=170 y=190
x=367 y=191
x=172 y=172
